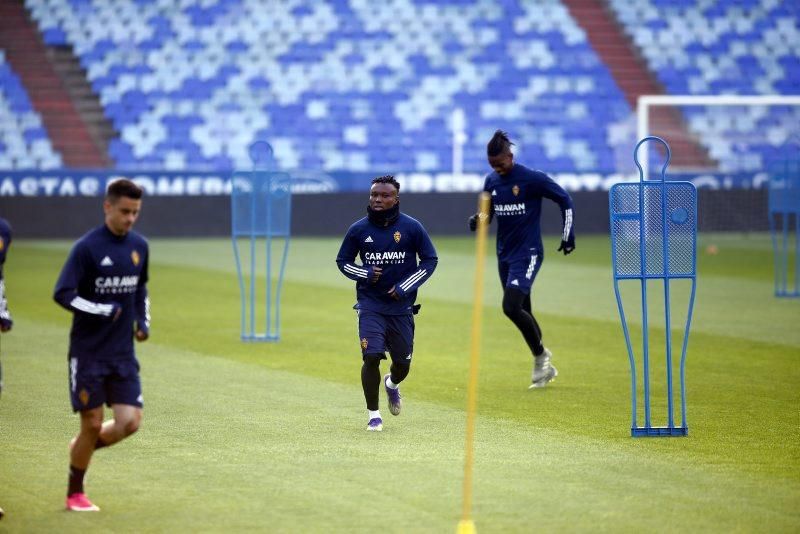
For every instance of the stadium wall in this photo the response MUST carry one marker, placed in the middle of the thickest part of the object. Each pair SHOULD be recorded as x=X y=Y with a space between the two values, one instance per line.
x=330 y=214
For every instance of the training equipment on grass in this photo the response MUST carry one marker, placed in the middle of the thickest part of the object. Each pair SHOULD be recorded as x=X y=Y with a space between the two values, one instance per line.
x=261 y=210
x=784 y=205
x=466 y=525
x=654 y=239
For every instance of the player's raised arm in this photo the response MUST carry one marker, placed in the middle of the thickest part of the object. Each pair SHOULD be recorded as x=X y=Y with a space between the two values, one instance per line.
x=66 y=290
x=5 y=242
x=556 y=193
x=142 y=303
x=473 y=220
x=5 y=315
x=345 y=260
x=427 y=264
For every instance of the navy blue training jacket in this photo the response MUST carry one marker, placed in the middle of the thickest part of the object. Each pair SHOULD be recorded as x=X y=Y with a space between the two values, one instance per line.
x=394 y=249
x=104 y=274
x=517 y=206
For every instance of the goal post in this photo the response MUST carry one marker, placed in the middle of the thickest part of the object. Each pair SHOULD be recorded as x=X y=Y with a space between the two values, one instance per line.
x=647 y=103
x=752 y=147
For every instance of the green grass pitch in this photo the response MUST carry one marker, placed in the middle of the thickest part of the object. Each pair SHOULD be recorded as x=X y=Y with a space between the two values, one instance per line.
x=270 y=437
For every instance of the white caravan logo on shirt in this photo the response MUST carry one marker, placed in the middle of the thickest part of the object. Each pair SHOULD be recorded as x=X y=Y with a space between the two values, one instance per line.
x=380 y=258
x=510 y=209
x=116 y=284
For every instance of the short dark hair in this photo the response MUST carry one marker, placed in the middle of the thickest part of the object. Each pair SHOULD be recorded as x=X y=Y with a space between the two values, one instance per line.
x=499 y=144
x=387 y=179
x=123 y=188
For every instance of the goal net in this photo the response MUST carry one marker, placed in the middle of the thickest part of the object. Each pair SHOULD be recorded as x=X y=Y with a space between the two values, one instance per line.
x=729 y=146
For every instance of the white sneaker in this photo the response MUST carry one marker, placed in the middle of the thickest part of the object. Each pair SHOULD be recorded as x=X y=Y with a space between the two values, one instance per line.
x=543 y=370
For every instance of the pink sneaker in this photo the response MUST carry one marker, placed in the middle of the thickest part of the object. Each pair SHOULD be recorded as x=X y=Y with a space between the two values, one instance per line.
x=79 y=502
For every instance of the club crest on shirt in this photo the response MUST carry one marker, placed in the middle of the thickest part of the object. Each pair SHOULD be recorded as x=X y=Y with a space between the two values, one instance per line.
x=515 y=190
x=135 y=257
x=364 y=343
x=2 y=244
x=397 y=237
x=84 y=396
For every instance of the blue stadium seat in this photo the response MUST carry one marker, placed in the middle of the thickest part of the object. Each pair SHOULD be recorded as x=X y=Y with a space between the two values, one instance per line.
x=384 y=75
x=24 y=143
x=741 y=47
x=343 y=83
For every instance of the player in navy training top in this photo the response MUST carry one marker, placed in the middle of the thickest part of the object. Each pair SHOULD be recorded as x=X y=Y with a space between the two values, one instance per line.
x=387 y=243
x=104 y=284
x=5 y=316
x=516 y=194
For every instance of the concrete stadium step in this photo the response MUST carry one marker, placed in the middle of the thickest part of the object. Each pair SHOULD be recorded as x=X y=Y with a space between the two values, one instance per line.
x=50 y=93
x=634 y=79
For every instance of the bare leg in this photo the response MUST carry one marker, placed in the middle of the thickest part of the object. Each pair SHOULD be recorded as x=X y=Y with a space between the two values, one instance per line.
x=93 y=434
x=81 y=449
x=82 y=446
x=126 y=421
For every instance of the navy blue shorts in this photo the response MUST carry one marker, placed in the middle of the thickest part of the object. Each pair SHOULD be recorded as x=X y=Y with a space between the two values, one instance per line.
x=94 y=383
x=520 y=273
x=380 y=333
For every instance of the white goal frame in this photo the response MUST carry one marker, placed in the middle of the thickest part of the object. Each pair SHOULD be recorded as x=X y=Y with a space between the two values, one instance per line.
x=645 y=102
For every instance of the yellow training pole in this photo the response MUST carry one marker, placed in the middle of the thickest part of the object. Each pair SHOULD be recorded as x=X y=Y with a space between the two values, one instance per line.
x=466 y=525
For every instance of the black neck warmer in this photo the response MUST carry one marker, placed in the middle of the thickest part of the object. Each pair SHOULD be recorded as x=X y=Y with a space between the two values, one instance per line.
x=384 y=217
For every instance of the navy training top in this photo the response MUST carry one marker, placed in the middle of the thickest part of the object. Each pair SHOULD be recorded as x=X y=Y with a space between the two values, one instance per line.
x=393 y=248
x=104 y=274
x=517 y=205
x=5 y=242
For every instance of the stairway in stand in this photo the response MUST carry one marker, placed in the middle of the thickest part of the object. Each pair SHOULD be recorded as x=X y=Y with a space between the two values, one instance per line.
x=84 y=99
x=58 y=90
x=634 y=79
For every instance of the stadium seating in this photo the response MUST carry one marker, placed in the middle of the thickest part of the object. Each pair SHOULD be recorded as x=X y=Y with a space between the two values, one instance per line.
x=742 y=47
x=361 y=85
x=355 y=85
x=24 y=143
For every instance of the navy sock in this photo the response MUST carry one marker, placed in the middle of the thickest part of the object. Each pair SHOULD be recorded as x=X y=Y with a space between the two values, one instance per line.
x=75 y=480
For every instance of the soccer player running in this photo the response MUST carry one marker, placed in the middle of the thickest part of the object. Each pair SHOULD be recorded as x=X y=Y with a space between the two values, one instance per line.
x=104 y=284
x=387 y=243
x=516 y=200
x=5 y=316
